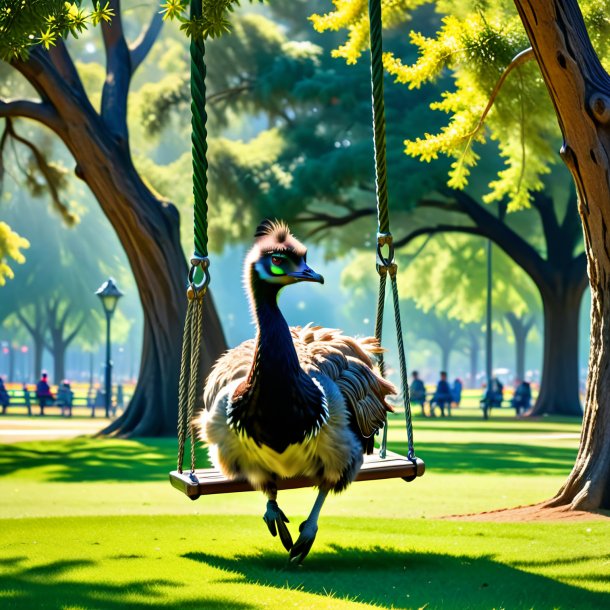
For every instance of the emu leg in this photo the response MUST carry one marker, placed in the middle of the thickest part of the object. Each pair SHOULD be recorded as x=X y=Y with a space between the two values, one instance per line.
x=308 y=529
x=275 y=518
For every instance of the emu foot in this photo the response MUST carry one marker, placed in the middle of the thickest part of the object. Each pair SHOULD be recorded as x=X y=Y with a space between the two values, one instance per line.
x=305 y=541
x=276 y=521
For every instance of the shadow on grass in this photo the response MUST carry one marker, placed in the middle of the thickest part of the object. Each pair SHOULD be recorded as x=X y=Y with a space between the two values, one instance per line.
x=144 y=460
x=479 y=458
x=50 y=586
x=397 y=579
x=86 y=459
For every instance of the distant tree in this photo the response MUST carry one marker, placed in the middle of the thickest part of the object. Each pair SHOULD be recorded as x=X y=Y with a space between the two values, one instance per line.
x=450 y=275
x=146 y=223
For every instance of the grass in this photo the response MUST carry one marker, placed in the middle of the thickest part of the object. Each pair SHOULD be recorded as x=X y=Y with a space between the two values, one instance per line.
x=93 y=524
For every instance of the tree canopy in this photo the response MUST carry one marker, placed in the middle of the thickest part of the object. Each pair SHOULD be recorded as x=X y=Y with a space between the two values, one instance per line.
x=485 y=49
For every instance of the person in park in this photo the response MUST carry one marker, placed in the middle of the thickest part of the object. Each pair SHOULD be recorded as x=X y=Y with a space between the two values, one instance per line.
x=43 y=393
x=442 y=397
x=522 y=397
x=65 y=396
x=4 y=397
x=493 y=397
x=417 y=392
x=456 y=392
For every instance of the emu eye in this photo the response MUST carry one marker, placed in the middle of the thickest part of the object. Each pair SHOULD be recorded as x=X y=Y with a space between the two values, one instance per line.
x=276 y=260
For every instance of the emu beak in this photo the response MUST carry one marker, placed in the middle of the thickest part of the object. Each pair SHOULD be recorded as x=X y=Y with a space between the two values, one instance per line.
x=307 y=274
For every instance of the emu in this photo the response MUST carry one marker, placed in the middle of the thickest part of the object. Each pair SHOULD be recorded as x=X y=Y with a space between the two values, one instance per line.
x=293 y=401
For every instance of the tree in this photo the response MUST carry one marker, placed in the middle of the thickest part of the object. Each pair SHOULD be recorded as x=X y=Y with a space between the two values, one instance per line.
x=579 y=89
x=146 y=224
x=449 y=275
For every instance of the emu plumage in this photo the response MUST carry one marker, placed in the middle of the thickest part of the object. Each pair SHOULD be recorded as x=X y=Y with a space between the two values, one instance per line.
x=293 y=401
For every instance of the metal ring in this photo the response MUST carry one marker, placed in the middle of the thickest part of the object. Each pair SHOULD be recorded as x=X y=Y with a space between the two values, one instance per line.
x=203 y=262
x=383 y=263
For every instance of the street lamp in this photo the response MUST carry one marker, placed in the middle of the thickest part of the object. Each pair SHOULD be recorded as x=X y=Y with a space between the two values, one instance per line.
x=109 y=296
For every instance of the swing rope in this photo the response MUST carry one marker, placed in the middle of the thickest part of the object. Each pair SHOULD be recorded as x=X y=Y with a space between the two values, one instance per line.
x=385 y=265
x=188 y=385
x=188 y=389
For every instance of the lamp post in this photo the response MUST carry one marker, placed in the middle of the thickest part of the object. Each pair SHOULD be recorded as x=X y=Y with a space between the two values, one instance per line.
x=109 y=295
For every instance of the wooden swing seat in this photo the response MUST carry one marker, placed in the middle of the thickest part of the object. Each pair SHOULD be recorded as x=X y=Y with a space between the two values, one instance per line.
x=210 y=481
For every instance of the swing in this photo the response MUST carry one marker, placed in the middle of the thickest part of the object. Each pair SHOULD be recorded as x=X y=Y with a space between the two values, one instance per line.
x=382 y=464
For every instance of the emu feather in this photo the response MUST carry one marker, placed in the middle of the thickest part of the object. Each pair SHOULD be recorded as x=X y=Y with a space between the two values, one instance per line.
x=293 y=401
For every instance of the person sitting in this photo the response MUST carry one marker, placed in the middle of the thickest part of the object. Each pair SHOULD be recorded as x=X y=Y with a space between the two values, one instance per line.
x=417 y=392
x=43 y=393
x=493 y=397
x=65 y=396
x=442 y=396
x=4 y=397
x=456 y=392
x=522 y=397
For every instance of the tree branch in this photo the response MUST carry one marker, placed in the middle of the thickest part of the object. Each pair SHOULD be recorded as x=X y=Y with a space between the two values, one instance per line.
x=30 y=109
x=45 y=170
x=25 y=323
x=400 y=243
x=519 y=59
x=63 y=63
x=329 y=220
x=142 y=45
x=118 y=75
x=75 y=332
x=503 y=236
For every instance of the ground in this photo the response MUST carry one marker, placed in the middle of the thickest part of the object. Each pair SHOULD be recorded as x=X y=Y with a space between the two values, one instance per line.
x=93 y=523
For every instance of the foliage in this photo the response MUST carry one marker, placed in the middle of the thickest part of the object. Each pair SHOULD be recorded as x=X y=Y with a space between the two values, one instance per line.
x=11 y=245
x=213 y=22
x=449 y=276
x=476 y=42
x=25 y=23
x=290 y=131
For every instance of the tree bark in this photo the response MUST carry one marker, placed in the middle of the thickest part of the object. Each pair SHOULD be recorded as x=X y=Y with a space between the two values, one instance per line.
x=580 y=90
x=148 y=229
x=521 y=327
x=559 y=394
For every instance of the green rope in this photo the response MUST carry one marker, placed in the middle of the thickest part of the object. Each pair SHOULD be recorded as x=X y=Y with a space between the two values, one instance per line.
x=188 y=385
x=381 y=177
x=199 y=139
x=385 y=264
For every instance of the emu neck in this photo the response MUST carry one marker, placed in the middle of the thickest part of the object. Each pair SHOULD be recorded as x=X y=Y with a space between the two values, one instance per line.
x=278 y=404
x=276 y=357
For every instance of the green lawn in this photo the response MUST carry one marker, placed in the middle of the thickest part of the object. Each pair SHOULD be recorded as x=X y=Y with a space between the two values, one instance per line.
x=90 y=523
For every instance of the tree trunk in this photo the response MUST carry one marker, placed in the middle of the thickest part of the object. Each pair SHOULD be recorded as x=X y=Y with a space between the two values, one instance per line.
x=148 y=229
x=59 y=363
x=580 y=90
x=521 y=327
x=11 y=362
x=38 y=351
x=559 y=387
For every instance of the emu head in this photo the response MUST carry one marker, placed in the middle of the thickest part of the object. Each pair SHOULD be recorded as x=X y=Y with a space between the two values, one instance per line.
x=277 y=257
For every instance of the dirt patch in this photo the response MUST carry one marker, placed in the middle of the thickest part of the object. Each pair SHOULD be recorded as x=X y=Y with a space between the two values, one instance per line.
x=535 y=512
